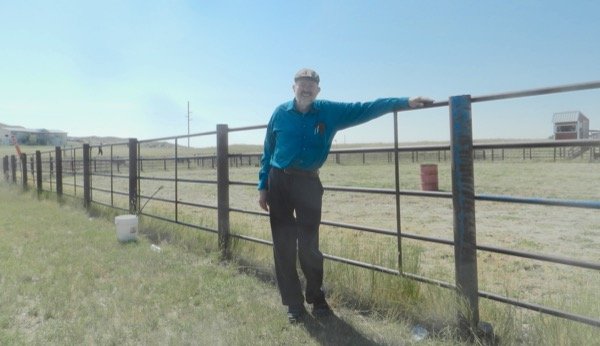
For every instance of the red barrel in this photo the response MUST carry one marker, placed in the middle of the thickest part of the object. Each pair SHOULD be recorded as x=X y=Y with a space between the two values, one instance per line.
x=429 y=177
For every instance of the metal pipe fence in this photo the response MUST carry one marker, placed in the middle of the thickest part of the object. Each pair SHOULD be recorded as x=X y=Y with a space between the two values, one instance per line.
x=124 y=181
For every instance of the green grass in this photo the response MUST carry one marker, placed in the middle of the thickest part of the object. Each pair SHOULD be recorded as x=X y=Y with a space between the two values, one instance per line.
x=66 y=280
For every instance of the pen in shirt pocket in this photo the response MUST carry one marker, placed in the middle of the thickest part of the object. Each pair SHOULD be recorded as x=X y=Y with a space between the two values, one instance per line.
x=319 y=129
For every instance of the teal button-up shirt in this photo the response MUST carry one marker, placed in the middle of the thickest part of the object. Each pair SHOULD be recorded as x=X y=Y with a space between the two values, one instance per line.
x=303 y=141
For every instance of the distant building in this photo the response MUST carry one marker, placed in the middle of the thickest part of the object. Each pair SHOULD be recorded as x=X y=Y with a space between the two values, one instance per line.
x=32 y=136
x=571 y=125
x=4 y=136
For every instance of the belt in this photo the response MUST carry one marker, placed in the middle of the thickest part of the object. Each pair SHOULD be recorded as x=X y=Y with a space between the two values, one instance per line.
x=301 y=172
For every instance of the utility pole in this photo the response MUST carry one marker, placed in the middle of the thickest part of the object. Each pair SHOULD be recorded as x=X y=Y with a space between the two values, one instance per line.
x=188 y=119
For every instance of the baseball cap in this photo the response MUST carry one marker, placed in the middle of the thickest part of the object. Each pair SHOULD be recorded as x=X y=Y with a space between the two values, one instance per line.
x=308 y=74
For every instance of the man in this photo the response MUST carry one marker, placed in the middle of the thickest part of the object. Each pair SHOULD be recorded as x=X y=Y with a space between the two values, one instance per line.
x=297 y=142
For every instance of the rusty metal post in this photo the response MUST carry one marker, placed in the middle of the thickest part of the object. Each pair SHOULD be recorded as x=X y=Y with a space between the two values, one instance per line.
x=133 y=178
x=38 y=170
x=463 y=193
x=59 y=171
x=24 y=168
x=13 y=168
x=223 y=188
x=87 y=186
x=5 y=166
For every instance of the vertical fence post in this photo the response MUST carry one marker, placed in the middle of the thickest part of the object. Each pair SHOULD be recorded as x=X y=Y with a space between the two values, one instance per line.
x=59 y=171
x=51 y=162
x=176 y=181
x=5 y=166
x=13 y=168
x=87 y=187
x=465 y=252
x=112 y=172
x=397 y=185
x=133 y=186
x=223 y=188
x=24 y=167
x=38 y=170
x=73 y=153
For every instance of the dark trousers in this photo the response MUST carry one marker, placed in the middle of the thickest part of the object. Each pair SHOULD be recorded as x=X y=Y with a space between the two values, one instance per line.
x=295 y=213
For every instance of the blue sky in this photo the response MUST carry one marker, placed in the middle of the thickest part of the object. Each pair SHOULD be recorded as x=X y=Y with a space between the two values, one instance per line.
x=128 y=68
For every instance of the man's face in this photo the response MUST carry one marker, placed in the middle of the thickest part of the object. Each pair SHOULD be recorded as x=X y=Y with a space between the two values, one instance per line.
x=306 y=90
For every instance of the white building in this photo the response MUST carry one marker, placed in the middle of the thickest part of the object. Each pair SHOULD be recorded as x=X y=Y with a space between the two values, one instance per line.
x=32 y=136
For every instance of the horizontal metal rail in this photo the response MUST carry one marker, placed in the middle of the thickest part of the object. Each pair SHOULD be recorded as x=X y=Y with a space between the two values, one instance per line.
x=179 y=180
x=72 y=185
x=523 y=93
x=197 y=181
x=118 y=176
x=110 y=206
x=542 y=309
x=181 y=158
x=247 y=128
x=211 y=230
x=537 y=92
x=586 y=204
x=156 y=179
x=540 y=257
x=109 y=191
x=252 y=239
x=198 y=205
x=177 y=137
x=476 y=146
x=190 y=204
x=539 y=144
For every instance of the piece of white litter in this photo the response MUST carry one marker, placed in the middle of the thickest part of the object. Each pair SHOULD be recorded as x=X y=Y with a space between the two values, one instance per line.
x=419 y=333
x=155 y=248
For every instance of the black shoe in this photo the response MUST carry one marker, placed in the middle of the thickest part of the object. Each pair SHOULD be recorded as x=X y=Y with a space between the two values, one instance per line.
x=295 y=313
x=321 y=309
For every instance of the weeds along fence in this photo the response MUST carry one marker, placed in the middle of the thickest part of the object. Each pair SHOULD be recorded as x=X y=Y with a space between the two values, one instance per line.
x=208 y=191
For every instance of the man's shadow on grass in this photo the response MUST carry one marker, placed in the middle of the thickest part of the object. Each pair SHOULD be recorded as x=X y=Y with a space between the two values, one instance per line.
x=332 y=330
x=329 y=330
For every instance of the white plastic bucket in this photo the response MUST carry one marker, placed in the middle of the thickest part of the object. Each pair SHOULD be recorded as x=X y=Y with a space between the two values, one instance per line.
x=127 y=227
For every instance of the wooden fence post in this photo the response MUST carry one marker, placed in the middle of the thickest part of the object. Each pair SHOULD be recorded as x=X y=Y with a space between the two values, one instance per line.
x=223 y=188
